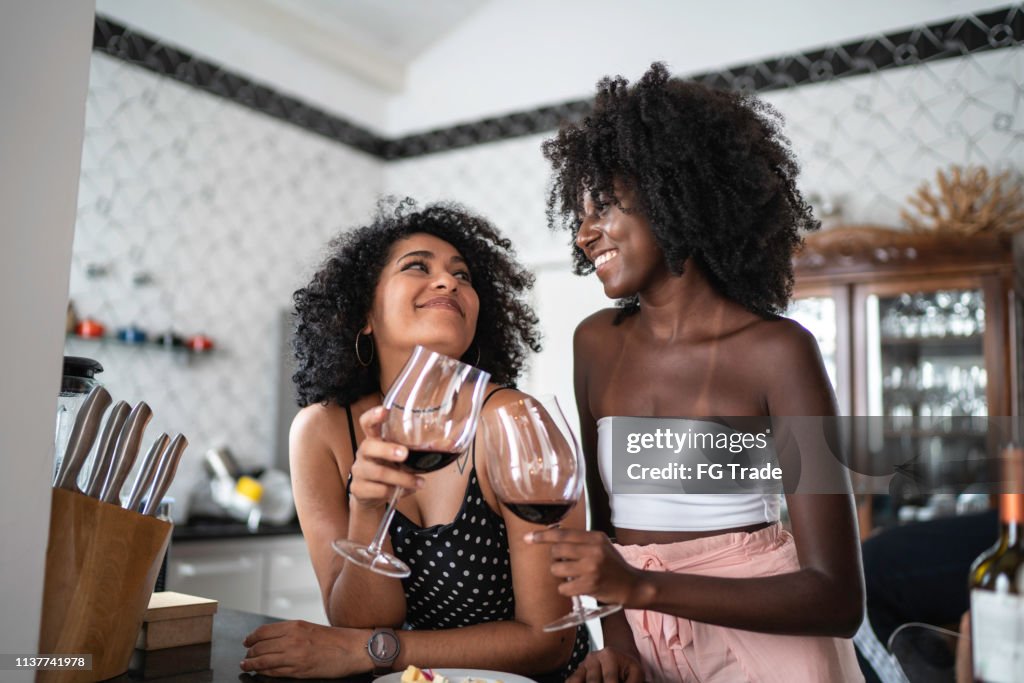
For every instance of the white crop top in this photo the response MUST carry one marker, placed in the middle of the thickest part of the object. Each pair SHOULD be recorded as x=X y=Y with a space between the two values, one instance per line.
x=679 y=511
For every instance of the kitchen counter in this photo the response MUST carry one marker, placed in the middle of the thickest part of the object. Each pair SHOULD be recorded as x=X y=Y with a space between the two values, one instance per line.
x=189 y=664
x=218 y=661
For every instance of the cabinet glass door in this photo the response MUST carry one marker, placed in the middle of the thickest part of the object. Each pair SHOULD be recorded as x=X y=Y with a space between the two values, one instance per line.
x=926 y=379
x=926 y=357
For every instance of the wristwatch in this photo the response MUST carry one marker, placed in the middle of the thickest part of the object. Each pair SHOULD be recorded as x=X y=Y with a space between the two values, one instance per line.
x=383 y=648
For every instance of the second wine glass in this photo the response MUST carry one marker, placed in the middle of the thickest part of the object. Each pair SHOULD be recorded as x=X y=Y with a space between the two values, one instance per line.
x=536 y=469
x=433 y=409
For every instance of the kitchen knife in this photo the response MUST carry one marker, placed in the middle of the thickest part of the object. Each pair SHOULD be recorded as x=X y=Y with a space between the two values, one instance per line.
x=147 y=472
x=125 y=452
x=165 y=473
x=105 y=450
x=83 y=433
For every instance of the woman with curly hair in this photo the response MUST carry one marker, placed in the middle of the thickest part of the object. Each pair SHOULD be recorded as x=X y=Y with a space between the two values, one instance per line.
x=445 y=279
x=683 y=200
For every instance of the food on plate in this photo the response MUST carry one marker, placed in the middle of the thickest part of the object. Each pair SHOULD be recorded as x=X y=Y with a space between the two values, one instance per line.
x=413 y=674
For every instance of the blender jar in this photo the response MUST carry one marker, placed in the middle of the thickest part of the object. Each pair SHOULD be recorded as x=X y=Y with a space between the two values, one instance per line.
x=77 y=382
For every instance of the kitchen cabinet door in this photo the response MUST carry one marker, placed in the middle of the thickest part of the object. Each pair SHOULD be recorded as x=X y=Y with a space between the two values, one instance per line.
x=265 y=575
x=234 y=576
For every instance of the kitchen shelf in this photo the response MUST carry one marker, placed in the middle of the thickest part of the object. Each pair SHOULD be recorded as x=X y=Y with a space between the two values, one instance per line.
x=927 y=433
x=156 y=346
x=972 y=343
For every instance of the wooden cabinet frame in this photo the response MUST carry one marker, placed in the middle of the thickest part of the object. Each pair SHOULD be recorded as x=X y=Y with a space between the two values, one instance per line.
x=850 y=263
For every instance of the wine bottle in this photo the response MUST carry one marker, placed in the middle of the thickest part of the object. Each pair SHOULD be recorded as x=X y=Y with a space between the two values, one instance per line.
x=997 y=585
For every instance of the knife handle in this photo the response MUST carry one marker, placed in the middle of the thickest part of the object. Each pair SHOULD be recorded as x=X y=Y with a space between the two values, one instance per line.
x=83 y=433
x=146 y=473
x=165 y=473
x=105 y=450
x=125 y=452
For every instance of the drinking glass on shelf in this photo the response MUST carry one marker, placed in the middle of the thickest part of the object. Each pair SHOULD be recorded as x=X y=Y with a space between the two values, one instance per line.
x=536 y=469
x=433 y=409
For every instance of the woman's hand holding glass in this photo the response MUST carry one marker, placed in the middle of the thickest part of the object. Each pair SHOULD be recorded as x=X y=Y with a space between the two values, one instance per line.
x=537 y=472
x=589 y=563
x=376 y=470
x=432 y=410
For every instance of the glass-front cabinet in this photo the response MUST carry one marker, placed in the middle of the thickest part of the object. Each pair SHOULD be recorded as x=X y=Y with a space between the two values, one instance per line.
x=920 y=335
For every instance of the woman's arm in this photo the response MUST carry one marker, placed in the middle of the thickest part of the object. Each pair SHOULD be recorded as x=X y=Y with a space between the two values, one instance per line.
x=318 y=482
x=299 y=649
x=824 y=597
x=597 y=497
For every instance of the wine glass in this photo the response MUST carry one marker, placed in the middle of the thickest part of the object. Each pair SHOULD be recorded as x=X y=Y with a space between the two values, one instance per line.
x=433 y=409
x=537 y=472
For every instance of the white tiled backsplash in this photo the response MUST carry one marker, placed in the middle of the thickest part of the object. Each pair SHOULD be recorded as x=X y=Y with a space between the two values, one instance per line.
x=229 y=210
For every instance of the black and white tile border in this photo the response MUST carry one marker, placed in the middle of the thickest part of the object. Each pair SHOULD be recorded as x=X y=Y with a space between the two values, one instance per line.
x=927 y=43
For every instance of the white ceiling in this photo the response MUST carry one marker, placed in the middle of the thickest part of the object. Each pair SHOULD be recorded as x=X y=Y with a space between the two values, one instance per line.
x=402 y=66
x=374 y=39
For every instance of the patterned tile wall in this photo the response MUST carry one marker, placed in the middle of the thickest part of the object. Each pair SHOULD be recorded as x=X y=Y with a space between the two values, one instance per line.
x=227 y=211
x=864 y=143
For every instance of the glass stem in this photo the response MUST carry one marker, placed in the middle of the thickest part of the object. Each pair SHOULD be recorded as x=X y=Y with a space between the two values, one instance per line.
x=377 y=544
x=577 y=605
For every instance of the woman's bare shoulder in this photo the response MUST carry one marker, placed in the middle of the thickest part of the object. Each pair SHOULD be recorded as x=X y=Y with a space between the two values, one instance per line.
x=783 y=338
x=501 y=396
x=790 y=365
x=597 y=326
x=322 y=427
x=319 y=419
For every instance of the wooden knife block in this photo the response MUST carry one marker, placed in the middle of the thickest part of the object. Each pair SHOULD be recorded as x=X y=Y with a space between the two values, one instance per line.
x=101 y=565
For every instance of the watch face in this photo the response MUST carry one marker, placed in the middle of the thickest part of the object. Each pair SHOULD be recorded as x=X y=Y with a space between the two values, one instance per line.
x=383 y=645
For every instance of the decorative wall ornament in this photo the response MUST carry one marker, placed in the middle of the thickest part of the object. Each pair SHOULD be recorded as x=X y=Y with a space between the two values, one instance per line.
x=967 y=201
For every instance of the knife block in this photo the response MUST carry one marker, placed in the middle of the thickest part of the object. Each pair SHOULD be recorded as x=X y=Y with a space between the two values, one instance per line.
x=101 y=565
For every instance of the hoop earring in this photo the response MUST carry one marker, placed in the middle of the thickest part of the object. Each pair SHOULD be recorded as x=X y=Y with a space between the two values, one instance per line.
x=365 y=364
x=477 y=361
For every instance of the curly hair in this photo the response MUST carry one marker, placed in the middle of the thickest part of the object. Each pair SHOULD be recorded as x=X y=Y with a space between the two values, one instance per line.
x=711 y=171
x=332 y=309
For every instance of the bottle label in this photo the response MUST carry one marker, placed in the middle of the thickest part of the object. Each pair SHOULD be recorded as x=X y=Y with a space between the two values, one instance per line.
x=997 y=636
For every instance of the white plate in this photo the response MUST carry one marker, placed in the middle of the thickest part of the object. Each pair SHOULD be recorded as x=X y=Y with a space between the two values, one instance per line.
x=457 y=676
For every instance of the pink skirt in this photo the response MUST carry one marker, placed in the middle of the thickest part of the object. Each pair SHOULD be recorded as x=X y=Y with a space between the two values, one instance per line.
x=676 y=649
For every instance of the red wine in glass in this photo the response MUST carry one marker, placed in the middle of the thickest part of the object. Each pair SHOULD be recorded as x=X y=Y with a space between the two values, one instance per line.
x=429 y=460
x=546 y=512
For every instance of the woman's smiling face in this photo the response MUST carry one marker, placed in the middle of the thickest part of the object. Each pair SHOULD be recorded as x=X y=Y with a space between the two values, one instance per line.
x=424 y=296
x=620 y=244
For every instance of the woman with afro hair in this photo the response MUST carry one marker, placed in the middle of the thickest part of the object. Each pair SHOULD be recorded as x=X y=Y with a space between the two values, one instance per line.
x=445 y=279
x=683 y=200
